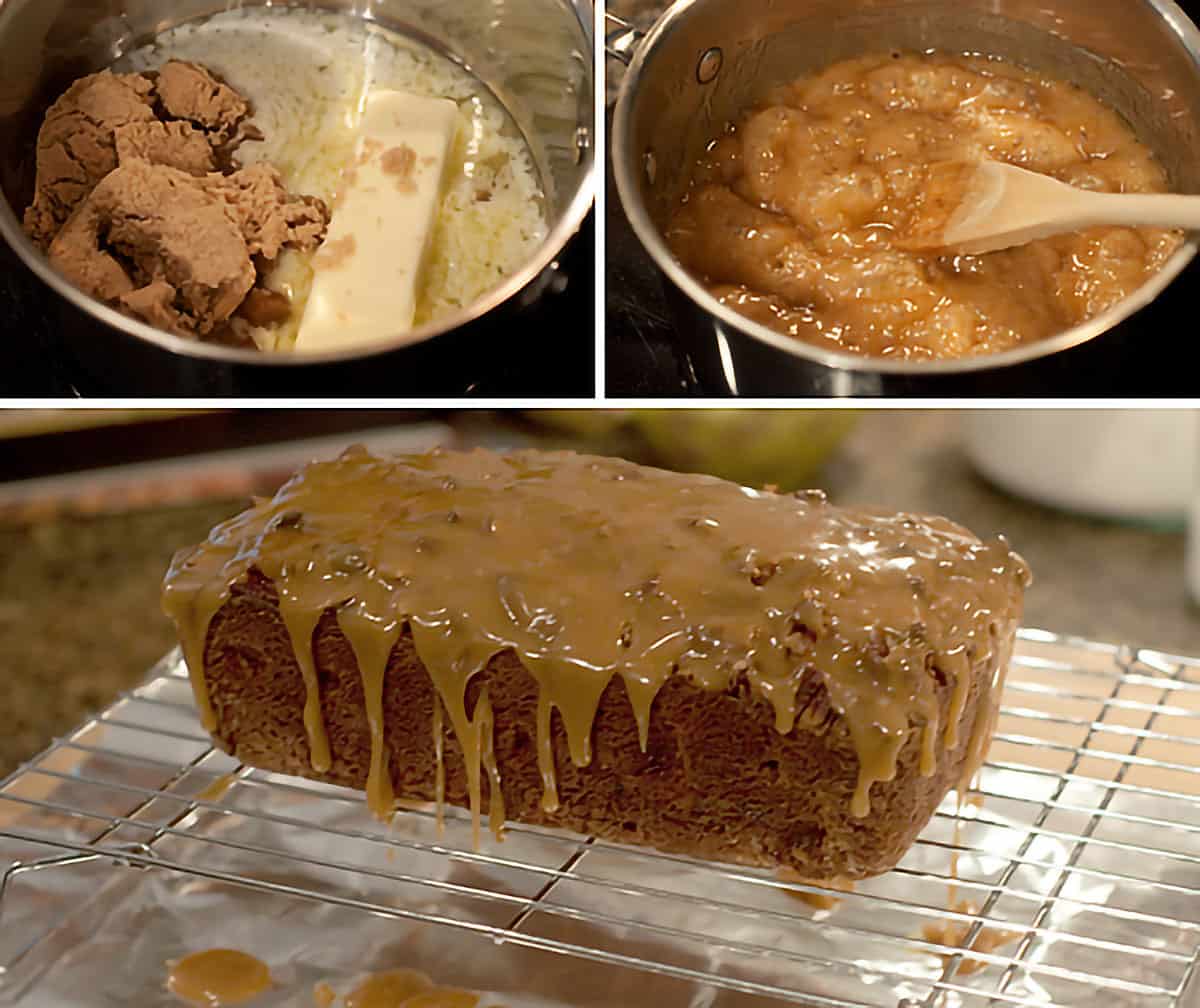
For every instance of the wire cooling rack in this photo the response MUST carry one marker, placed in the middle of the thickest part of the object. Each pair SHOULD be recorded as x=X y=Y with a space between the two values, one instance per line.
x=1070 y=878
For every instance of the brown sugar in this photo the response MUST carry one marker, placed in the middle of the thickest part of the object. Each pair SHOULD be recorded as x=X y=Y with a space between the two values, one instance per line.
x=130 y=208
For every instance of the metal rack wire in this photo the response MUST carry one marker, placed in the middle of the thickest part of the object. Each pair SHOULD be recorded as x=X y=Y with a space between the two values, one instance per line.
x=1070 y=878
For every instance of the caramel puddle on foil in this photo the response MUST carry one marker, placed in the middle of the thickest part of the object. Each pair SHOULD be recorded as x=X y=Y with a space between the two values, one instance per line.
x=217 y=977
x=396 y=988
x=388 y=989
x=646 y=575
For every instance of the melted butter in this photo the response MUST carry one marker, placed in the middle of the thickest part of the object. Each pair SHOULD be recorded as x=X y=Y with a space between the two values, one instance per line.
x=590 y=568
x=389 y=989
x=217 y=977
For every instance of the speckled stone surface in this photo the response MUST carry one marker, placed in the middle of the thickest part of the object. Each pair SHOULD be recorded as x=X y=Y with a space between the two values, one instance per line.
x=80 y=620
x=79 y=616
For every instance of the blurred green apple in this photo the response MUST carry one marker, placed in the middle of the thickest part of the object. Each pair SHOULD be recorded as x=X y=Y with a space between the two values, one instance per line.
x=782 y=448
x=584 y=423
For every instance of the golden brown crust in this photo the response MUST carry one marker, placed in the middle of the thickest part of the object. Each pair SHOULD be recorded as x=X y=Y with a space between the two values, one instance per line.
x=716 y=781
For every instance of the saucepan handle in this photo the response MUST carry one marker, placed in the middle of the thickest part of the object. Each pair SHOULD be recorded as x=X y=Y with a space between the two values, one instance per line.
x=621 y=38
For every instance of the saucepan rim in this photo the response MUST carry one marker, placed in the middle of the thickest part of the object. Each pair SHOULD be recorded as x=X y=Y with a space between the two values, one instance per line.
x=627 y=163
x=567 y=226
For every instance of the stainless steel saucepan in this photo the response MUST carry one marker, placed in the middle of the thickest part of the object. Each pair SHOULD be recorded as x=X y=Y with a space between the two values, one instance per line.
x=705 y=61
x=536 y=57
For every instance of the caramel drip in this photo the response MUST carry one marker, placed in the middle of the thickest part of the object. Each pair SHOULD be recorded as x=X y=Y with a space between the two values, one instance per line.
x=216 y=790
x=545 y=754
x=952 y=886
x=372 y=641
x=879 y=764
x=989 y=713
x=588 y=568
x=574 y=689
x=929 y=740
x=452 y=668
x=388 y=989
x=473 y=757
x=486 y=720
x=439 y=779
x=642 y=690
x=192 y=610
x=217 y=977
x=824 y=901
x=324 y=996
x=954 y=935
x=301 y=621
x=958 y=666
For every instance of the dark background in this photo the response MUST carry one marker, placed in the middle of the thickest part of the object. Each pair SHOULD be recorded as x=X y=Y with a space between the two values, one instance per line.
x=547 y=352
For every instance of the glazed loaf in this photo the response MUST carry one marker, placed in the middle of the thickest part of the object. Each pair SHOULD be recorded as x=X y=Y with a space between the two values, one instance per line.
x=649 y=658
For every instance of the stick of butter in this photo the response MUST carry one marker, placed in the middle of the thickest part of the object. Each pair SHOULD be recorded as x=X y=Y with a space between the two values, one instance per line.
x=367 y=273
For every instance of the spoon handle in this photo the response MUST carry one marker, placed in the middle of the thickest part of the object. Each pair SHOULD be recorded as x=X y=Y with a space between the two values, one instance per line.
x=1137 y=210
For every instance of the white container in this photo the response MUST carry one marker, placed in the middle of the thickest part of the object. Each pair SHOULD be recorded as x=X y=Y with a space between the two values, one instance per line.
x=1139 y=465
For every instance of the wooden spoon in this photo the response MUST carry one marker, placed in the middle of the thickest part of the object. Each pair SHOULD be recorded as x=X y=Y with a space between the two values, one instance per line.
x=978 y=207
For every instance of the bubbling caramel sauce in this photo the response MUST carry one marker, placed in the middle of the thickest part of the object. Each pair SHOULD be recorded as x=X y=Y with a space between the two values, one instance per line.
x=800 y=216
x=591 y=568
x=217 y=977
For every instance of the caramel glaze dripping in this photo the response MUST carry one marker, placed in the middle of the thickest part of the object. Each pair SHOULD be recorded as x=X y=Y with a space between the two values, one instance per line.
x=301 y=622
x=439 y=755
x=589 y=568
x=486 y=722
x=372 y=639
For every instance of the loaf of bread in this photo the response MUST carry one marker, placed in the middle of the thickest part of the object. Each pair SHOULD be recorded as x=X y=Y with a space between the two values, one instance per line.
x=650 y=658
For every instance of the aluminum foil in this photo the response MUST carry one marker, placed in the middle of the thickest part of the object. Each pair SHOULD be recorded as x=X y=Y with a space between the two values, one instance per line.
x=1081 y=856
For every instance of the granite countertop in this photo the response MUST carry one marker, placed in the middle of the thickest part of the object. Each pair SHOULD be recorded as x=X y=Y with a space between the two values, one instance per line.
x=80 y=619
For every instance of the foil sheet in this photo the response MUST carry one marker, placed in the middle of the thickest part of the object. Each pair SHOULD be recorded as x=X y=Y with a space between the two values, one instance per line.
x=1081 y=855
